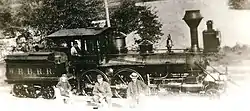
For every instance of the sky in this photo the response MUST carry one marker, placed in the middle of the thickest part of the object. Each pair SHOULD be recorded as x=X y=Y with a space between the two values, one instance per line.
x=233 y=24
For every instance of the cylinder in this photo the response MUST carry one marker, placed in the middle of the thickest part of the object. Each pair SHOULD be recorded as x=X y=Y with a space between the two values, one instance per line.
x=193 y=19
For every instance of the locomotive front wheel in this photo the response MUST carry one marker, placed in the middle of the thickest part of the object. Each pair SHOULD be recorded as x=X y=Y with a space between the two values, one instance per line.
x=48 y=92
x=121 y=80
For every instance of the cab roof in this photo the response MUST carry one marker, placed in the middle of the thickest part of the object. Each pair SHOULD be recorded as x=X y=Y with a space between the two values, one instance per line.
x=79 y=32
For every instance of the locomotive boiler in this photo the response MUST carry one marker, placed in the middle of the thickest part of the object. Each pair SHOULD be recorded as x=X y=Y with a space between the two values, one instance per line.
x=103 y=51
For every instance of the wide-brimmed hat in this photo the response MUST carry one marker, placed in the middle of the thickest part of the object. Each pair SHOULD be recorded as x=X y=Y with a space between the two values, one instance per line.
x=134 y=75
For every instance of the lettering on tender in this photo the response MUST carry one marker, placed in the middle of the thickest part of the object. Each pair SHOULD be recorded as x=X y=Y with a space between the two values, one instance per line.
x=29 y=70
x=20 y=71
x=39 y=71
x=11 y=70
x=49 y=71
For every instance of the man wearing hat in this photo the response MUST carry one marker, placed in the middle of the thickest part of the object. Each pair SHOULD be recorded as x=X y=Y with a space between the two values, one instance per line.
x=75 y=50
x=136 y=90
x=102 y=91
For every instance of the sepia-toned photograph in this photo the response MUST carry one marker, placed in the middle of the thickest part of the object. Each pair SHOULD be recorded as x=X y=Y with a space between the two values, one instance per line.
x=124 y=55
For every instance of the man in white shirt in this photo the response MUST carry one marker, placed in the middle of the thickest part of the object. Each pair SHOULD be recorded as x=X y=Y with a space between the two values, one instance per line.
x=75 y=50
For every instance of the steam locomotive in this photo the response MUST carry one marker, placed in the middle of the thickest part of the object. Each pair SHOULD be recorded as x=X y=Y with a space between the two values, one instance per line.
x=103 y=51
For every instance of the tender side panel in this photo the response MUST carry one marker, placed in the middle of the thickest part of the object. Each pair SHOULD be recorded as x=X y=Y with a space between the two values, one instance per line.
x=30 y=69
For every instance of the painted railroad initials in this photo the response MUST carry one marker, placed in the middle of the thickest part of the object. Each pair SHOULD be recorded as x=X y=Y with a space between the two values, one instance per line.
x=49 y=71
x=11 y=70
x=39 y=71
x=29 y=71
x=20 y=71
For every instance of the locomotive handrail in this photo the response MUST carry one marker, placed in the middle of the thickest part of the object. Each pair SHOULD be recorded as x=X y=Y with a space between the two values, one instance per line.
x=122 y=60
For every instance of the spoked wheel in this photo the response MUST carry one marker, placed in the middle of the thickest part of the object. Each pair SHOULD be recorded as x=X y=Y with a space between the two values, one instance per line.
x=88 y=80
x=33 y=91
x=121 y=80
x=19 y=90
x=73 y=84
x=120 y=83
x=213 y=93
x=48 y=92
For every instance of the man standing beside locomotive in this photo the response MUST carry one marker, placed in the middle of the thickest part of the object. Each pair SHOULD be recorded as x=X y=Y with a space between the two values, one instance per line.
x=136 y=90
x=169 y=43
x=102 y=92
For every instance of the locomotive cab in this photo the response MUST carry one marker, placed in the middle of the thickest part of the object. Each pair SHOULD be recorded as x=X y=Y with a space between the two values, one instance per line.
x=93 y=44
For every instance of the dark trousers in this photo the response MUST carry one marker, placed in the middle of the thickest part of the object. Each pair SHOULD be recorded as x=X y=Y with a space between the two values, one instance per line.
x=169 y=49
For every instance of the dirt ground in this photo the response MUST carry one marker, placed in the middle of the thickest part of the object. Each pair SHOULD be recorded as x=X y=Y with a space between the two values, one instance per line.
x=230 y=102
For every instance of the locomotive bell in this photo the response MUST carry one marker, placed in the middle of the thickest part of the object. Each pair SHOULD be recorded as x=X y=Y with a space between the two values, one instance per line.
x=193 y=19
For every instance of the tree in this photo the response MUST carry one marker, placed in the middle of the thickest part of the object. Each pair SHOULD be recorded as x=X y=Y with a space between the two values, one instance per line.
x=239 y=4
x=14 y=22
x=5 y=15
x=54 y=15
x=43 y=17
x=129 y=17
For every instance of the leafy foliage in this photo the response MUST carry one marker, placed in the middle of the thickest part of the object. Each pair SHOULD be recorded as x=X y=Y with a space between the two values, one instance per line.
x=142 y=19
x=42 y=17
x=58 y=14
x=239 y=4
x=5 y=15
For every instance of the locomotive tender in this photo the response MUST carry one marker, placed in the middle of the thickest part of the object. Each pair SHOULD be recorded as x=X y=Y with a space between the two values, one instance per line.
x=103 y=51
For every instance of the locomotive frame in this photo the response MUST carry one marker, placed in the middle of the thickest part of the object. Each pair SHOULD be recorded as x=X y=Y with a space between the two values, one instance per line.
x=104 y=52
